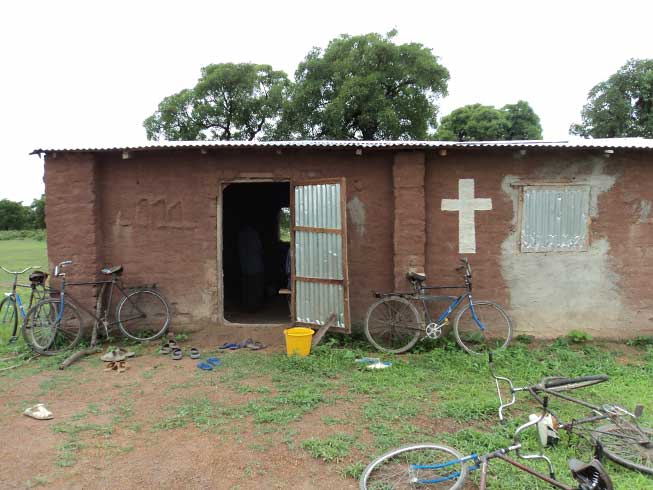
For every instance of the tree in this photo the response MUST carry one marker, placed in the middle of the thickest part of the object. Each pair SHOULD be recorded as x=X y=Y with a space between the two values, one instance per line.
x=229 y=102
x=621 y=106
x=37 y=211
x=476 y=122
x=365 y=87
x=13 y=215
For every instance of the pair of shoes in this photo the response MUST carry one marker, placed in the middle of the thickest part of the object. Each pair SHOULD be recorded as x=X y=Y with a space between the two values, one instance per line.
x=210 y=363
x=118 y=366
x=229 y=346
x=38 y=412
x=115 y=355
x=177 y=353
x=253 y=345
x=168 y=347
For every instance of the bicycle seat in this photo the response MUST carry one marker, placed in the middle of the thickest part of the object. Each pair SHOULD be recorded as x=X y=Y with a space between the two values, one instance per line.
x=590 y=476
x=112 y=270
x=416 y=276
x=38 y=277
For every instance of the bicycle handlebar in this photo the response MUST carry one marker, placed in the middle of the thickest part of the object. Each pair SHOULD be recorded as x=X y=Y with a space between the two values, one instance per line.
x=61 y=265
x=20 y=272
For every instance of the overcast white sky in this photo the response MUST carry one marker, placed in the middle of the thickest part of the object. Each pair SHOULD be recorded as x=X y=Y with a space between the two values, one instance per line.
x=89 y=73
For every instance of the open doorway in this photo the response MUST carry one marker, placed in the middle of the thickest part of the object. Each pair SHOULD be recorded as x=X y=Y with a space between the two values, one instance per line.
x=255 y=252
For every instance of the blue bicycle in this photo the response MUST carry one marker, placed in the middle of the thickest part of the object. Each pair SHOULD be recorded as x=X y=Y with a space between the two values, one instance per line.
x=438 y=467
x=12 y=306
x=394 y=324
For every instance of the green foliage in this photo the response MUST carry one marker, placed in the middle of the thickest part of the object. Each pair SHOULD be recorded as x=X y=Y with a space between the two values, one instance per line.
x=365 y=87
x=621 y=106
x=641 y=341
x=38 y=235
x=15 y=216
x=578 y=337
x=332 y=448
x=478 y=122
x=229 y=102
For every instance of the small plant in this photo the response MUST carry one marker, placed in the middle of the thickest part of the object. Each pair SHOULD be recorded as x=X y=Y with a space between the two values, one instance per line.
x=578 y=337
x=641 y=341
x=332 y=448
x=525 y=339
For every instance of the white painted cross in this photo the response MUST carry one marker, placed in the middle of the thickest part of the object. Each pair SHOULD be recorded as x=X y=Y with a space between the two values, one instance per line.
x=466 y=205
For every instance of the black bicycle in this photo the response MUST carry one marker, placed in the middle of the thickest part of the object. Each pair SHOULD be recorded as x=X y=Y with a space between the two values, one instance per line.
x=55 y=324
x=12 y=307
x=619 y=436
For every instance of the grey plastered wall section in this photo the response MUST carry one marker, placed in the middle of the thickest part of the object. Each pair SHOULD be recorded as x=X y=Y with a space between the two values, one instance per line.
x=554 y=292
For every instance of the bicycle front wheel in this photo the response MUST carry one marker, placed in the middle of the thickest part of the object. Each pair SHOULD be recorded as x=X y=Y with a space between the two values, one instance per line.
x=626 y=445
x=392 y=324
x=143 y=315
x=495 y=333
x=416 y=466
x=49 y=332
x=8 y=317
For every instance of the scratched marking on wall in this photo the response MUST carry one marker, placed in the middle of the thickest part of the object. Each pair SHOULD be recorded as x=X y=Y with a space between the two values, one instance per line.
x=156 y=213
x=466 y=205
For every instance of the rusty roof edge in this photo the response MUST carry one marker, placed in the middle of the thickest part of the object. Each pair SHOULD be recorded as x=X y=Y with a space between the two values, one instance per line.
x=607 y=143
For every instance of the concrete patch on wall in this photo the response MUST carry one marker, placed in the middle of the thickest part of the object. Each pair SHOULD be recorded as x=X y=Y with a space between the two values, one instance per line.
x=644 y=212
x=552 y=293
x=356 y=213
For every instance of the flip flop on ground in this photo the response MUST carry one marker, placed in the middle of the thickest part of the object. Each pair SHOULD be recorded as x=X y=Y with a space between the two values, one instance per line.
x=114 y=356
x=214 y=361
x=194 y=353
x=229 y=346
x=205 y=366
x=177 y=354
x=38 y=412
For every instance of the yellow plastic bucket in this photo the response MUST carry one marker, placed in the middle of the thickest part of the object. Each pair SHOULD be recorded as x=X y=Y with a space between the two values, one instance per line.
x=298 y=341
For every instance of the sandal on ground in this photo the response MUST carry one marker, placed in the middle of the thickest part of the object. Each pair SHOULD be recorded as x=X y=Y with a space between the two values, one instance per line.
x=194 y=353
x=255 y=345
x=165 y=350
x=229 y=346
x=205 y=366
x=214 y=361
x=114 y=355
x=38 y=412
x=177 y=353
x=125 y=352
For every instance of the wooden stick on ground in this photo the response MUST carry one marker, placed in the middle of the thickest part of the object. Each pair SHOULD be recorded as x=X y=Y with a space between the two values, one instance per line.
x=78 y=355
x=317 y=337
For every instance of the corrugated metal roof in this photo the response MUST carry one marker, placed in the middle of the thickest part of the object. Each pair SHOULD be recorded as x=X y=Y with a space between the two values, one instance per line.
x=624 y=143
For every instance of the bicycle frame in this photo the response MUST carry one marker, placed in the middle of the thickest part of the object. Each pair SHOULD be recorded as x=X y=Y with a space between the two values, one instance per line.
x=482 y=462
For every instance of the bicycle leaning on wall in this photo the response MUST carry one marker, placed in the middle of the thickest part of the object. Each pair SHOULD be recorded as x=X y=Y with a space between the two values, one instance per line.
x=12 y=306
x=393 y=323
x=55 y=324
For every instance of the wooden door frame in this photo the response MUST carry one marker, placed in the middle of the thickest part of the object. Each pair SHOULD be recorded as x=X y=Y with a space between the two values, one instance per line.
x=222 y=185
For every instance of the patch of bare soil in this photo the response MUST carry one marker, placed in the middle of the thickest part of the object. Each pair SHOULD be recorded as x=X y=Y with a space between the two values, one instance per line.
x=105 y=433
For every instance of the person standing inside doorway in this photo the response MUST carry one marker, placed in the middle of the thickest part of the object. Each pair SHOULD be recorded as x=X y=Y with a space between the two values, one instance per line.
x=250 y=253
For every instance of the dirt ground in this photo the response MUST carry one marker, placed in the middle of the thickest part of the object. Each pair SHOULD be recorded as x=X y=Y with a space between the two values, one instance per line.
x=128 y=453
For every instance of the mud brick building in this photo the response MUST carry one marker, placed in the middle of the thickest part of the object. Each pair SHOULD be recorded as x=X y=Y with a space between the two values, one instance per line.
x=561 y=233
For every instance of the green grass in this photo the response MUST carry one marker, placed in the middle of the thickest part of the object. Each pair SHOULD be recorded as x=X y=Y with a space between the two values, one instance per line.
x=16 y=255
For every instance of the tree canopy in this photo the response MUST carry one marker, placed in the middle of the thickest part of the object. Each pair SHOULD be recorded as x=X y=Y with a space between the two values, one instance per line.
x=229 y=102
x=621 y=106
x=478 y=122
x=365 y=87
x=15 y=216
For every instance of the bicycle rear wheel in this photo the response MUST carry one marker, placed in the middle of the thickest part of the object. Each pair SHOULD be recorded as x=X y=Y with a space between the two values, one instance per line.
x=623 y=444
x=143 y=315
x=8 y=317
x=47 y=333
x=415 y=466
x=495 y=335
x=393 y=324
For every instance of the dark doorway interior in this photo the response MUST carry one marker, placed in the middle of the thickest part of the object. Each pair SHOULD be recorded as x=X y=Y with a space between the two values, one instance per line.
x=255 y=244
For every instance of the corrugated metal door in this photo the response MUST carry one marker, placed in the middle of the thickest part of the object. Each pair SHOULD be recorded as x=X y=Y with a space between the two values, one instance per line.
x=319 y=260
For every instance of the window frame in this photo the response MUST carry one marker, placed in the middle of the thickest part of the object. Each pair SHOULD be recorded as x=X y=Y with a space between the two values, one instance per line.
x=522 y=186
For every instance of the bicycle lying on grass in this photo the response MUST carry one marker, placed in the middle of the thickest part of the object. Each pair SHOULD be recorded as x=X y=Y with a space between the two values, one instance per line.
x=623 y=439
x=441 y=467
x=12 y=306
x=55 y=324
x=393 y=323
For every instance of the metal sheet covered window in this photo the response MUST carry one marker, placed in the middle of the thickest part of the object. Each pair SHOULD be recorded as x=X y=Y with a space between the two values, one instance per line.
x=555 y=218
